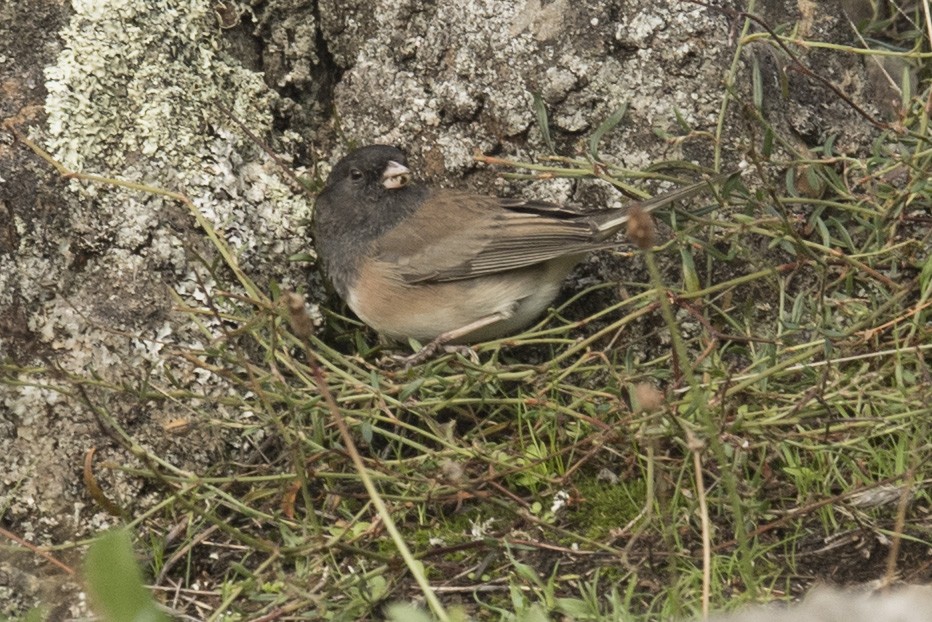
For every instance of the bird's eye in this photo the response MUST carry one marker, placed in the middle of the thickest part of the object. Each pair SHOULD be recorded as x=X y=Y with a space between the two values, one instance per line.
x=355 y=174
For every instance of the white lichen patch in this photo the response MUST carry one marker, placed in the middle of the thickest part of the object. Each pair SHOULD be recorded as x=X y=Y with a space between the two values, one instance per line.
x=129 y=80
x=139 y=93
x=133 y=95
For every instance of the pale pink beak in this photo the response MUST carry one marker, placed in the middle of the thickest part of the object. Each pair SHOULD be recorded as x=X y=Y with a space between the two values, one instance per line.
x=395 y=175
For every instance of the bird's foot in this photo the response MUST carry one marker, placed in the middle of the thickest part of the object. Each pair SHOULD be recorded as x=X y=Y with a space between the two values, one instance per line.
x=430 y=350
x=463 y=350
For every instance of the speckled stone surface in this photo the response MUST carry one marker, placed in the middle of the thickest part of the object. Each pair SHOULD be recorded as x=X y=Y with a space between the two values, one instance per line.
x=90 y=275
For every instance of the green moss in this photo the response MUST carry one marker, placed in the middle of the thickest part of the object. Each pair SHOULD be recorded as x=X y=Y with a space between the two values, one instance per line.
x=605 y=506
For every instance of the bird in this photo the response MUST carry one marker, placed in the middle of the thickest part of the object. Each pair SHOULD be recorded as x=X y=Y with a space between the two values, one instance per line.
x=444 y=266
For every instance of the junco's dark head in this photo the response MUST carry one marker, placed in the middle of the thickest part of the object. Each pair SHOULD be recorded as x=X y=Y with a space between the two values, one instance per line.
x=446 y=266
x=369 y=173
x=367 y=193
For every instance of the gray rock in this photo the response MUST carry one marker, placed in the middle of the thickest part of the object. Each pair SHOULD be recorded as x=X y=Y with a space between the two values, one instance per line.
x=89 y=275
x=905 y=604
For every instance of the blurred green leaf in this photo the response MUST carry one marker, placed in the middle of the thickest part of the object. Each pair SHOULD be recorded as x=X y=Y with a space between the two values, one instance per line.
x=405 y=612
x=114 y=581
x=534 y=614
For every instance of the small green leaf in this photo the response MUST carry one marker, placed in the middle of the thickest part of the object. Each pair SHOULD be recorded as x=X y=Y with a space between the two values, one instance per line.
x=767 y=149
x=406 y=612
x=607 y=126
x=925 y=278
x=757 y=83
x=534 y=614
x=410 y=388
x=528 y=574
x=575 y=608
x=690 y=276
x=115 y=583
x=377 y=588
x=541 y=109
x=681 y=121
x=823 y=233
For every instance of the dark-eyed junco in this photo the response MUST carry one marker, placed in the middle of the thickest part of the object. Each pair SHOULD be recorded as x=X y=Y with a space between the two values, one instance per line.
x=445 y=266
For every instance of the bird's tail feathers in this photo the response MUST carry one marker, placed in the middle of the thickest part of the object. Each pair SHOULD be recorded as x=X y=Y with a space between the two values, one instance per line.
x=617 y=218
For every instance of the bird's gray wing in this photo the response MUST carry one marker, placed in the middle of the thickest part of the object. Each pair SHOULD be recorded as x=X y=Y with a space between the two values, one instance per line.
x=455 y=236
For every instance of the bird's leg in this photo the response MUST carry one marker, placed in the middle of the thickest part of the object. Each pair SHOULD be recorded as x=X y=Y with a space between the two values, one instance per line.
x=452 y=335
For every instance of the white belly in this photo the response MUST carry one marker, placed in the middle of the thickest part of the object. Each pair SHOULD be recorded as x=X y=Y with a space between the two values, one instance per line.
x=432 y=309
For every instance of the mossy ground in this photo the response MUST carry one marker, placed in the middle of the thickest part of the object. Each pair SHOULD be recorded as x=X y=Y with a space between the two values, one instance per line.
x=783 y=324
